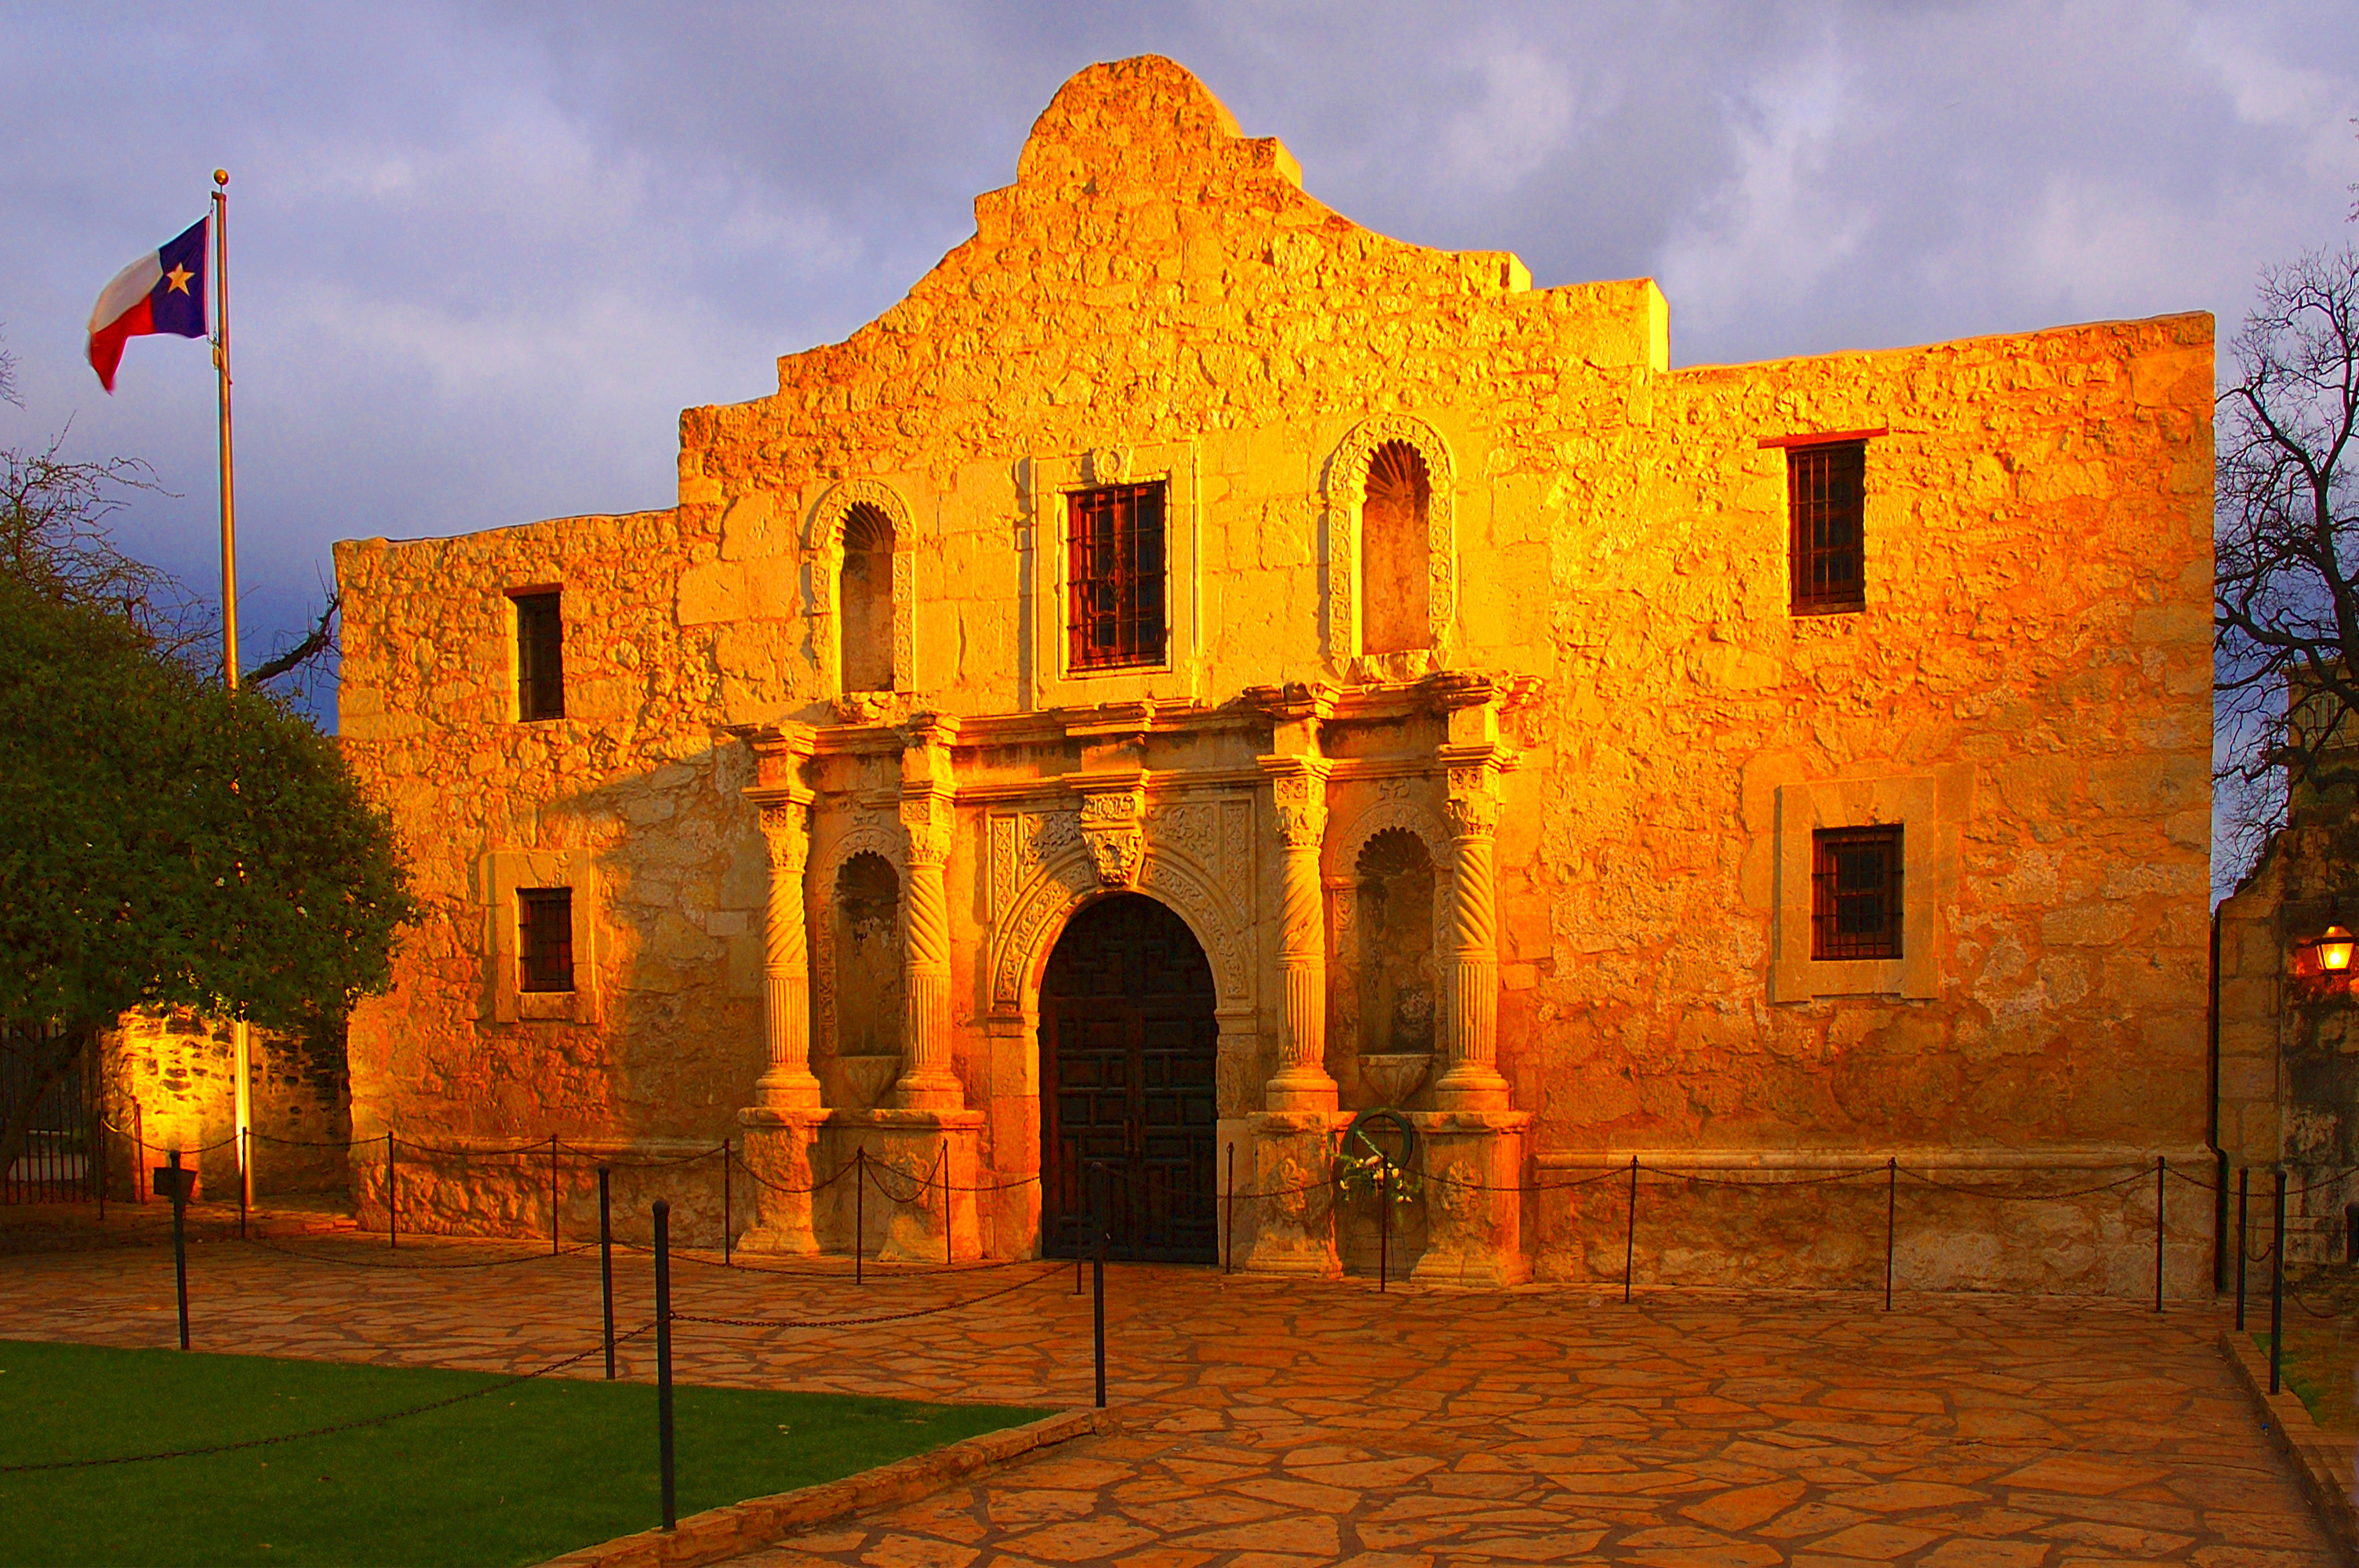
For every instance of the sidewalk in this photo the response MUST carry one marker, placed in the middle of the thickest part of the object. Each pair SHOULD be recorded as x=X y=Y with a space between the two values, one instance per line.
x=1271 y=1423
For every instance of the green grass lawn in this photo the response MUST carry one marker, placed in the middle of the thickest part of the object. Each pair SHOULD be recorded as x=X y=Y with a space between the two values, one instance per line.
x=513 y=1477
x=2318 y=1370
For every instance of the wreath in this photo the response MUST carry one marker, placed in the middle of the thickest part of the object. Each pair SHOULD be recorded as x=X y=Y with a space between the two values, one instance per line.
x=1364 y=1168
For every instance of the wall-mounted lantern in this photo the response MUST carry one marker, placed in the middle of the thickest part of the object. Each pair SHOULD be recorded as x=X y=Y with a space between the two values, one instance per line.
x=2333 y=946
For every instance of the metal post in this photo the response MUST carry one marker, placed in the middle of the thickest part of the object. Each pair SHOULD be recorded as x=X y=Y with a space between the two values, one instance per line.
x=947 y=1259
x=1630 y=1237
x=607 y=1265
x=1384 y=1221
x=1891 y=1213
x=392 y=1196
x=728 y=1152
x=552 y=1195
x=2158 y=1168
x=2276 y=1290
x=1080 y=1236
x=244 y=1175
x=859 y=1209
x=2243 y=1194
x=1097 y=1301
x=1229 y=1221
x=663 y=1356
x=180 y=1244
x=99 y=1137
x=139 y=1154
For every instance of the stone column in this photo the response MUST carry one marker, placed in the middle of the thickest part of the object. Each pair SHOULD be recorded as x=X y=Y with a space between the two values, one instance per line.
x=1469 y=1078
x=782 y=1124
x=1298 y=787
x=926 y=1081
x=787 y=1083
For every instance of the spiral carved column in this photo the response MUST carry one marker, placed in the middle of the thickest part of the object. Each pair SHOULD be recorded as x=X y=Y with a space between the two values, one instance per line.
x=1469 y=1079
x=927 y=1082
x=787 y=1082
x=1299 y=799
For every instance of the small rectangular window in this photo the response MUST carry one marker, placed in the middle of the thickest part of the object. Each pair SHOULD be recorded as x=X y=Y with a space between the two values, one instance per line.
x=1855 y=892
x=541 y=656
x=1825 y=502
x=545 y=944
x=1113 y=553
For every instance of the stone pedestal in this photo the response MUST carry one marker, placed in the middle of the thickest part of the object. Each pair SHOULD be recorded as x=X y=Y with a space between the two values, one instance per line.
x=900 y=1158
x=778 y=1146
x=1292 y=1232
x=1474 y=1201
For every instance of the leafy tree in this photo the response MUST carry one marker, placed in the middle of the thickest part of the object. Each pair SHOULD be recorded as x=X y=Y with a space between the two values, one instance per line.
x=2286 y=542
x=165 y=841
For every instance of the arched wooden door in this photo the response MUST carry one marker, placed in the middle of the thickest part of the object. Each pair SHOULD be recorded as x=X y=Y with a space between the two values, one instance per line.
x=1127 y=1046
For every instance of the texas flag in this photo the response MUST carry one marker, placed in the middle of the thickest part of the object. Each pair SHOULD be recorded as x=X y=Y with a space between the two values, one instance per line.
x=163 y=291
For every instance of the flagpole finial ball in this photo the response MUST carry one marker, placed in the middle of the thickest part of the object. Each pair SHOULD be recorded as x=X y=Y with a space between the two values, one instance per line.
x=220 y=177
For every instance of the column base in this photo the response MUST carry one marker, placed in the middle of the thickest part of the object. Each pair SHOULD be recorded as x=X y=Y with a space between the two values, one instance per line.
x=778 y=1144
x=898 y=1158
x=1301 y=1091
x=1290 y=1231
x=1468 y=1088
x=787 y=1092
x=1474 y=1197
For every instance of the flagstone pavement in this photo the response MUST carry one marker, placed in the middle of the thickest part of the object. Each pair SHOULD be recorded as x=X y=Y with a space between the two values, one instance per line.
x=1273 y=1423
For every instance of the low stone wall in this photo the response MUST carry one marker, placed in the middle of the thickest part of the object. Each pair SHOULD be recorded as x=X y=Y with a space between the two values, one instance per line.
x=484 y=1187
x=169 y=1080
x=2072 y=1223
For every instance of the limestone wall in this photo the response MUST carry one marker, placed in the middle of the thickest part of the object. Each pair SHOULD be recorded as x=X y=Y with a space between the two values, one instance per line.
x=1157 y=298
x=169 y=1078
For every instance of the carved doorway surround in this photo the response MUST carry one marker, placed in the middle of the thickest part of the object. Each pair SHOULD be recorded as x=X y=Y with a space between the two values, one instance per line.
x=1129 y=1042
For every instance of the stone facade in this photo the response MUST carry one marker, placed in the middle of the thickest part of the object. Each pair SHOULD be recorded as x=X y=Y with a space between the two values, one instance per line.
x=1482 y=756
x=2286 y=1054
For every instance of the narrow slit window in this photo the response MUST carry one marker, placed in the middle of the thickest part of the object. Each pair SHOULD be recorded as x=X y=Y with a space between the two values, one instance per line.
x=545 y=944
x=541 y=656
x=1825 y=491
x=1114 y=552
x=1855 y=892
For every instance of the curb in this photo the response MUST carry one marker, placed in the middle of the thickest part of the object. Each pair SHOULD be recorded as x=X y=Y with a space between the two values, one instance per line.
x=2314 y=1456
x=738 y=1528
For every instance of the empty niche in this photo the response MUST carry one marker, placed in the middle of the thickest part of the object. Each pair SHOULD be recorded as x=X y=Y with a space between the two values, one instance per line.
x=867 y=918
x=1396 y=552
x=1393 y=963
x=866 y=599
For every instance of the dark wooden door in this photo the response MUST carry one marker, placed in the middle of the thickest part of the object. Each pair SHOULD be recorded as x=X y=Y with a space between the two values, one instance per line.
x=1127 y=1110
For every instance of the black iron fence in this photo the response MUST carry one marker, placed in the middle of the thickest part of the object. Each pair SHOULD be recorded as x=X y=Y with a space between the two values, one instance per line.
x=62 y=1160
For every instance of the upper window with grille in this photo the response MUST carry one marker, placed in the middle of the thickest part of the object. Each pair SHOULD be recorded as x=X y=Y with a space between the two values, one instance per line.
x=540 y=656
x=1115 y=588
x=1855 y=892
x=1824 y=490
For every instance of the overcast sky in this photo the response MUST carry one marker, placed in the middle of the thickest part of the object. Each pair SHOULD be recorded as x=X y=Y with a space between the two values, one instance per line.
x=483 y=256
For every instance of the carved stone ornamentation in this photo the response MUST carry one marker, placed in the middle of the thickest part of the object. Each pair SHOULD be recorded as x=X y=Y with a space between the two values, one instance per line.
x=1471 y=1078
x=1115 y=835
x=787 y=1082
x=1347 y=491
x=1298 y=787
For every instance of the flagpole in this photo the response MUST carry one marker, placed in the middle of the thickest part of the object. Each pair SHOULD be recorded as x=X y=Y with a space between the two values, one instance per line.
x=241 y=1051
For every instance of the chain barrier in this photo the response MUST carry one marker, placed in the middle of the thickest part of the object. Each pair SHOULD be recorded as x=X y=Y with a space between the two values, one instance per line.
x=1054 y=1272
x=320 y=1257
x=165 y=1148
x=598 y=1349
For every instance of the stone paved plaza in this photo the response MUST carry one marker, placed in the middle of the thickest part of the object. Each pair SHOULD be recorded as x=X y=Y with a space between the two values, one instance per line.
x=1269 y=1423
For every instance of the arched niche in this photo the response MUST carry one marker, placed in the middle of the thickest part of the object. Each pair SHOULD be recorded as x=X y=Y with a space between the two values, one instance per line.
x=1372 y=451
x=854 y=513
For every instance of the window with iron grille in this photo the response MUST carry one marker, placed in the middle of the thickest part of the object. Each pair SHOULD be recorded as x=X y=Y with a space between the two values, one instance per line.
x=1855 y=892
x=545 y=947
x=1113 y=553
x=541 y=656
x=1824 y=490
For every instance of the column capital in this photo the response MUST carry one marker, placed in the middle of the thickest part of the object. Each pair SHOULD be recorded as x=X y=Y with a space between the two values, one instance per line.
x=1298 y=796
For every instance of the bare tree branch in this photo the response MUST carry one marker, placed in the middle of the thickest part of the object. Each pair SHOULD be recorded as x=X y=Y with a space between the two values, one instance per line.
x=321 y=639
x=2286 y=547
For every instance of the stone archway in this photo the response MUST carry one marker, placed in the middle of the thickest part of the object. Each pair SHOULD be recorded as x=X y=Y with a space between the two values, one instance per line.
x=1129 y=1042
